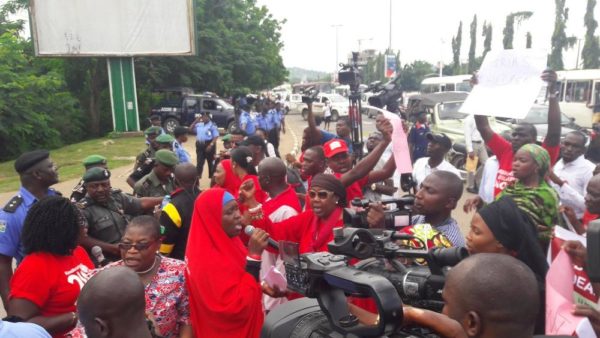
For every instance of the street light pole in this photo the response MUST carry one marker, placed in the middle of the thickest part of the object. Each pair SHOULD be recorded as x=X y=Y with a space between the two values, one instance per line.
x=337 y=59
x=390 y=41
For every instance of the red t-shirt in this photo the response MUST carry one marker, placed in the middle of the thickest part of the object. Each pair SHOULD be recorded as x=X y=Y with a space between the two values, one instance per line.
x=354 y=190
x=52 y=282
x=504 y=152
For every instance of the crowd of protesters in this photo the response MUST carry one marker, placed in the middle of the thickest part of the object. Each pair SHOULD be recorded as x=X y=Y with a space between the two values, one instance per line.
x=171 y=260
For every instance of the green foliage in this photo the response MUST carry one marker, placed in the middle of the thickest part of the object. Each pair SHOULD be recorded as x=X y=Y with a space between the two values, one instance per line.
x=559 y=40
x=414 y=73
x=486 y=32
x=509 y=28
x=472 y=65
x=456 y=43
x=36 y=109
x=590 y=53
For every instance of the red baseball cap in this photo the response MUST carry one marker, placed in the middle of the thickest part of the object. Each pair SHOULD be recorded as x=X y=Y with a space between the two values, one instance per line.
x=334 y=147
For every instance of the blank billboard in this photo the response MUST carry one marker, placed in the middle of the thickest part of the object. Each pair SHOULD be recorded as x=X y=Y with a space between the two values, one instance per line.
x=112 y=27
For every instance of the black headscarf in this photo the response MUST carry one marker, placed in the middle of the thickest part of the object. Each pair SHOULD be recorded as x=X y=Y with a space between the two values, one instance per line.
x=331 y=183
x=511 y=227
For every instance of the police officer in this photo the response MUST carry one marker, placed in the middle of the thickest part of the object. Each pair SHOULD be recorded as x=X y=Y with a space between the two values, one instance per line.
x=107 y=212
x=164 y=141
x=276 y=120
x=89 y=162
x=37 y=173
x=181 y=137
x=159 y=182
x=151 y=135
x=247 y=122
x=206 y=143
x=176 y=216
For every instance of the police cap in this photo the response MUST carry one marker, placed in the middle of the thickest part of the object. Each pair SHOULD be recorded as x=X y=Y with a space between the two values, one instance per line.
x=29 y=159
x=94 y=160
x=96 y=174
x=166 y=157
x=153 y=131
x=165 y=139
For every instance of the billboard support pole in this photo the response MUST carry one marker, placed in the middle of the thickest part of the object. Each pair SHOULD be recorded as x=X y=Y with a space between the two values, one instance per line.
x=123 y=95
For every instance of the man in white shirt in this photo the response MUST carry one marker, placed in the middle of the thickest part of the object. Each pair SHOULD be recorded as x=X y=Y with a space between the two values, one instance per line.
x=475 y=148
x=438 y=147
x=572 y=172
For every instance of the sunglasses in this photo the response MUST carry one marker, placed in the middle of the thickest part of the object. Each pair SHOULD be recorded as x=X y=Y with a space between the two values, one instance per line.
x=137 y=246
x=321 y=194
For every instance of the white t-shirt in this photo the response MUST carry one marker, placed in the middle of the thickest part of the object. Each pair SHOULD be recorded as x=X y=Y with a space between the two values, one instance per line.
x=326 y=110
x=421 y=169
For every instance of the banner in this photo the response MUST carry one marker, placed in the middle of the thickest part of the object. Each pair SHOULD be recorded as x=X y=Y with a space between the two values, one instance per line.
x=509 y=82
x=390 y=66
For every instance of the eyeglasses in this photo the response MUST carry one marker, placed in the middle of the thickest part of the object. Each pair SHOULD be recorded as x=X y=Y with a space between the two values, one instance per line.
x=137 y=246
x=322 y=194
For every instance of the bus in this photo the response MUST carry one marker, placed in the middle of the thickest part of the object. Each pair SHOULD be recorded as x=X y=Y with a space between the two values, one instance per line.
x=323 y=87
x=456 y=83
x=579 y=91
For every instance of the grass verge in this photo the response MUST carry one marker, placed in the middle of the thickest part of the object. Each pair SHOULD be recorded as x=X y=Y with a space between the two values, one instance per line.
x=118 y=151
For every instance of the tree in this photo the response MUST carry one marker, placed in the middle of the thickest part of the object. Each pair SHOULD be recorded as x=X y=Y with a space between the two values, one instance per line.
x=590 y=54
x=559 y=40
x=414 y=73
x=509 y=29
x=487 y=40
x=456 y=44
x=472 y=65
x=528 y=40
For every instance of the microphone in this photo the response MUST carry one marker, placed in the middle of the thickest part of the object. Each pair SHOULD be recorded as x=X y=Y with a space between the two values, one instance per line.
x=97 y=253
x=250 y=229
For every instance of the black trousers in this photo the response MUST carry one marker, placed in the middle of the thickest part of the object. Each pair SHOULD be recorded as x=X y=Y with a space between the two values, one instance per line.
x=203 y=155
x=273 y=138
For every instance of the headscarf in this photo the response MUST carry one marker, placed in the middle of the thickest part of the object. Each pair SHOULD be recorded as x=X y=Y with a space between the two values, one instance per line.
x=232 y=182
x=331 y=183
x=540 y=156
x=539 y=203
x=512 y=229
x=225 y=300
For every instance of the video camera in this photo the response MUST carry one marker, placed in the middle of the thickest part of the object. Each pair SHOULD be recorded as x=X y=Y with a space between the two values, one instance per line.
x=309 y=95
x=350 y=73
x=357 y=215
x=386 y=94
x=380 y=277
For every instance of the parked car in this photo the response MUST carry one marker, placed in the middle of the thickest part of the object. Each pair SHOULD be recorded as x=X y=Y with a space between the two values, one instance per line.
x=339 y=106
x=293 y=104
x=538 y=116
x=183 y=109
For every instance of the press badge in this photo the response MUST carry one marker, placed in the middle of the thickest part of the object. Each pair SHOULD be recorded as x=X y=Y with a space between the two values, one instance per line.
x=3 y=224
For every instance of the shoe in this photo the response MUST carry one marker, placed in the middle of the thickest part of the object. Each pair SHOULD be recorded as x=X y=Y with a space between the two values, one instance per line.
x=472 y=190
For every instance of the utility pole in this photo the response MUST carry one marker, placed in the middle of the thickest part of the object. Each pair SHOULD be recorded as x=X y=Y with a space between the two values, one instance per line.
x=578 y=52
x=337 y=59
x=390 y=41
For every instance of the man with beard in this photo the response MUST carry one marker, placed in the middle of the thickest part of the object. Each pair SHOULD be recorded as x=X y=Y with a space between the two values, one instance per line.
x=37 y=173
x=107 y=212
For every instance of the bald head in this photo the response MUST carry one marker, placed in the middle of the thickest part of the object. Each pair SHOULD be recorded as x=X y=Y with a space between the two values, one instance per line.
x=451 y=184
x=186 y=175
x=109 y=311
x=272 y=174
x=497 y=293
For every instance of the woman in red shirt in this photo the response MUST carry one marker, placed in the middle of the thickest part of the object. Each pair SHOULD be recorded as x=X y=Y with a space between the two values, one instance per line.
x=46 y=284
x=241 y=162
x=313 y=228
x=225 y=177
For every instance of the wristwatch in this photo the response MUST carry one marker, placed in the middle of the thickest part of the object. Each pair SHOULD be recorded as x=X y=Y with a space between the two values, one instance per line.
x=373 y=186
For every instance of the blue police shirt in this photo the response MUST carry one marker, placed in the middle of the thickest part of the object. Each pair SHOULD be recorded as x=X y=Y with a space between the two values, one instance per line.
x=206 y=133
x=183 y=155
x=29 y=330
x=277 y=118
x=246 y=119
x=273 y=119
x=327 y=136
x=262 y=122
x=11 y=225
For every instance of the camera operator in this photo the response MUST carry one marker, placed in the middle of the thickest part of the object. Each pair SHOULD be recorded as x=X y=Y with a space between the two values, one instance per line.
x=488 y=295
x=437 y=197
x=342 y=129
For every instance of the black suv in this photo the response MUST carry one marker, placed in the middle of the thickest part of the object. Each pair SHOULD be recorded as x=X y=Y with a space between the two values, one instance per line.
x=183 y=109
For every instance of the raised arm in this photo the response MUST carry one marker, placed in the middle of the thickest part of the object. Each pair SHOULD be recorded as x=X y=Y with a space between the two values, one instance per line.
x=554 y=125
x=367 y=164
x=384 y=173
x=483 y=126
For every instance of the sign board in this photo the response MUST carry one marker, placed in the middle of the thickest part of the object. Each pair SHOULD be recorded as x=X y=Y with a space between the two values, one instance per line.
x=112 y=27
x=390 y=66
x=509 y=83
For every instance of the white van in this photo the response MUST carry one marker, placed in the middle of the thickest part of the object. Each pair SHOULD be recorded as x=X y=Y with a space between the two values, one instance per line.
x=579 y=92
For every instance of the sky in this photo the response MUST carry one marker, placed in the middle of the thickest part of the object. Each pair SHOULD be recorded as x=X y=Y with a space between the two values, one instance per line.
x=421 y=29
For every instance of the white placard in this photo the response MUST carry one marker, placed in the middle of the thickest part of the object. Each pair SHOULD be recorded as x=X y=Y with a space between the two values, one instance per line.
x=509 y=82
x=112 y=27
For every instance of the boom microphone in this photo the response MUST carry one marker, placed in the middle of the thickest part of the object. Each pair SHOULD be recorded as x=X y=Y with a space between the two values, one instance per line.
x=272 y=243
x=97 y=253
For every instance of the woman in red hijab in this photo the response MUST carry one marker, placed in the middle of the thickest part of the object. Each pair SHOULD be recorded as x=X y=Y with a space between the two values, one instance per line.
x=222 y=276
x=225 y=177
x=313 y=228
x=241 y=162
